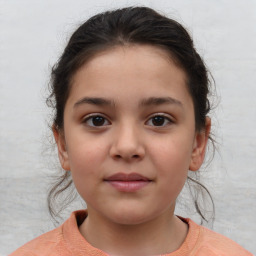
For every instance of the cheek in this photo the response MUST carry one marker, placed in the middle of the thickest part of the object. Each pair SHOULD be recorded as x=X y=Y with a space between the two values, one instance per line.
x=86 y=165
x=86 y=153
x=171 y=159
x=173 y=152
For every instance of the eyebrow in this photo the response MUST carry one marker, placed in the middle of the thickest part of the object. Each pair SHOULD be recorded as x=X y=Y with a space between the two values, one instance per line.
x=144 y=102
x=94 y=101
x=160 y=101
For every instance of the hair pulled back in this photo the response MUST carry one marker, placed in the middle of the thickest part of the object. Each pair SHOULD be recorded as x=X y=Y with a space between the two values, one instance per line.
x=127 y=26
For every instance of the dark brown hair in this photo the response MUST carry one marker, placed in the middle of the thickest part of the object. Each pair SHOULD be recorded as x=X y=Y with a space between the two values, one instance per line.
x=132 y=25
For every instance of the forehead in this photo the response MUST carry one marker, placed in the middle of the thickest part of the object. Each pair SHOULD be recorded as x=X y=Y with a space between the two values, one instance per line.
x=140 y=55
x=129 y=71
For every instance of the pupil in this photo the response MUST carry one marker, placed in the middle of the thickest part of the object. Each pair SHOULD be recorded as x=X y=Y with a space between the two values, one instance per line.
x=98 y=120
x=158 y=120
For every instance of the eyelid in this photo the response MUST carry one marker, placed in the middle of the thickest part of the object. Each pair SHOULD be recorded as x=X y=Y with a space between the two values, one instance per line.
x=90 y=116
x=166 y=116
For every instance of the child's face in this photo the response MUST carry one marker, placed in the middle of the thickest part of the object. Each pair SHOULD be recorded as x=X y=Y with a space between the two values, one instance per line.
x=129 y=134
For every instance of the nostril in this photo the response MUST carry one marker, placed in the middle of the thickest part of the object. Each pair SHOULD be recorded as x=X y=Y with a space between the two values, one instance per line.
x=130 y=157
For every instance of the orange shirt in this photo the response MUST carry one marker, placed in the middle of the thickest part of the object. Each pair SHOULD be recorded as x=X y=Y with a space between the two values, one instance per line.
x=66 y=240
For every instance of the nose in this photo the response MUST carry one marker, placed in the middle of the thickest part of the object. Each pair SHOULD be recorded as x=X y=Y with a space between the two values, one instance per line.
x=127 y=144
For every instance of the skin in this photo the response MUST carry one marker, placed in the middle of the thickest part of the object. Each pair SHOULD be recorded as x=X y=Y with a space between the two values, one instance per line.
x=127 y=140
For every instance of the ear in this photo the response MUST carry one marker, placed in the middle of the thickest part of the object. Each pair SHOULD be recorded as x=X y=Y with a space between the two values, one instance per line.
x=199 y=146
x=62 y=149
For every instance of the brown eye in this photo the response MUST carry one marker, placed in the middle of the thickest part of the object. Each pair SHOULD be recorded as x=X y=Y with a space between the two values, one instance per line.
x=159 y=120
x=96 y=121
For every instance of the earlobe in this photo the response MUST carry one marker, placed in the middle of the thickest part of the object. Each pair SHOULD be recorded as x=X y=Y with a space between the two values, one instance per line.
x=62 y=150
x=199 y=148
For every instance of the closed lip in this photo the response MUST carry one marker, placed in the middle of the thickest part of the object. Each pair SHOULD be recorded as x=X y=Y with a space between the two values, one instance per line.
x=127 y=177
x=131 y=182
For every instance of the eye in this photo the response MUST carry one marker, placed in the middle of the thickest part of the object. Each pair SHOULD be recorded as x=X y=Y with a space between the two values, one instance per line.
x=96 y=121
x=159 y=120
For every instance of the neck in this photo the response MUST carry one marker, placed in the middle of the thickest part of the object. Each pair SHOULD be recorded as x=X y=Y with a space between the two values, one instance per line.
x=162 y=235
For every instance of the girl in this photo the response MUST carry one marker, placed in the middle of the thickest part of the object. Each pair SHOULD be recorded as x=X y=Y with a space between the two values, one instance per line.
x=130 y=96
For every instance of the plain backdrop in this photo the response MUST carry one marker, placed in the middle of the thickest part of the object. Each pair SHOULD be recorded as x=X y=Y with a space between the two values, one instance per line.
x=32 y=36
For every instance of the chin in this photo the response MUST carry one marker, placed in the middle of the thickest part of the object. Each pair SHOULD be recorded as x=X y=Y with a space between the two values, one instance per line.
x=131 y=216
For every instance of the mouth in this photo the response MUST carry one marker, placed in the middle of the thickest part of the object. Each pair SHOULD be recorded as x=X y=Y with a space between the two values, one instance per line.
x=131 y=182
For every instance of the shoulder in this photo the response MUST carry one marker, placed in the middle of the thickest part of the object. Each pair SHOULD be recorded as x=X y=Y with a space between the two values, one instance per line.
x=65 y=240
x=214 y=244
x=46 y=244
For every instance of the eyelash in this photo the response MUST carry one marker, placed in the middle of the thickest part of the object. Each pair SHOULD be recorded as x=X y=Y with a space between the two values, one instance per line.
x=89 y=119
x=167 y=120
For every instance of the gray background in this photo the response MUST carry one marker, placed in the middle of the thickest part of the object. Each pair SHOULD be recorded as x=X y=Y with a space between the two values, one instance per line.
x=32 y=35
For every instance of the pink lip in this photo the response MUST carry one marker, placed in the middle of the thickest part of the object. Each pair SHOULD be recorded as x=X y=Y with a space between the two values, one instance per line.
x=128 y=182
